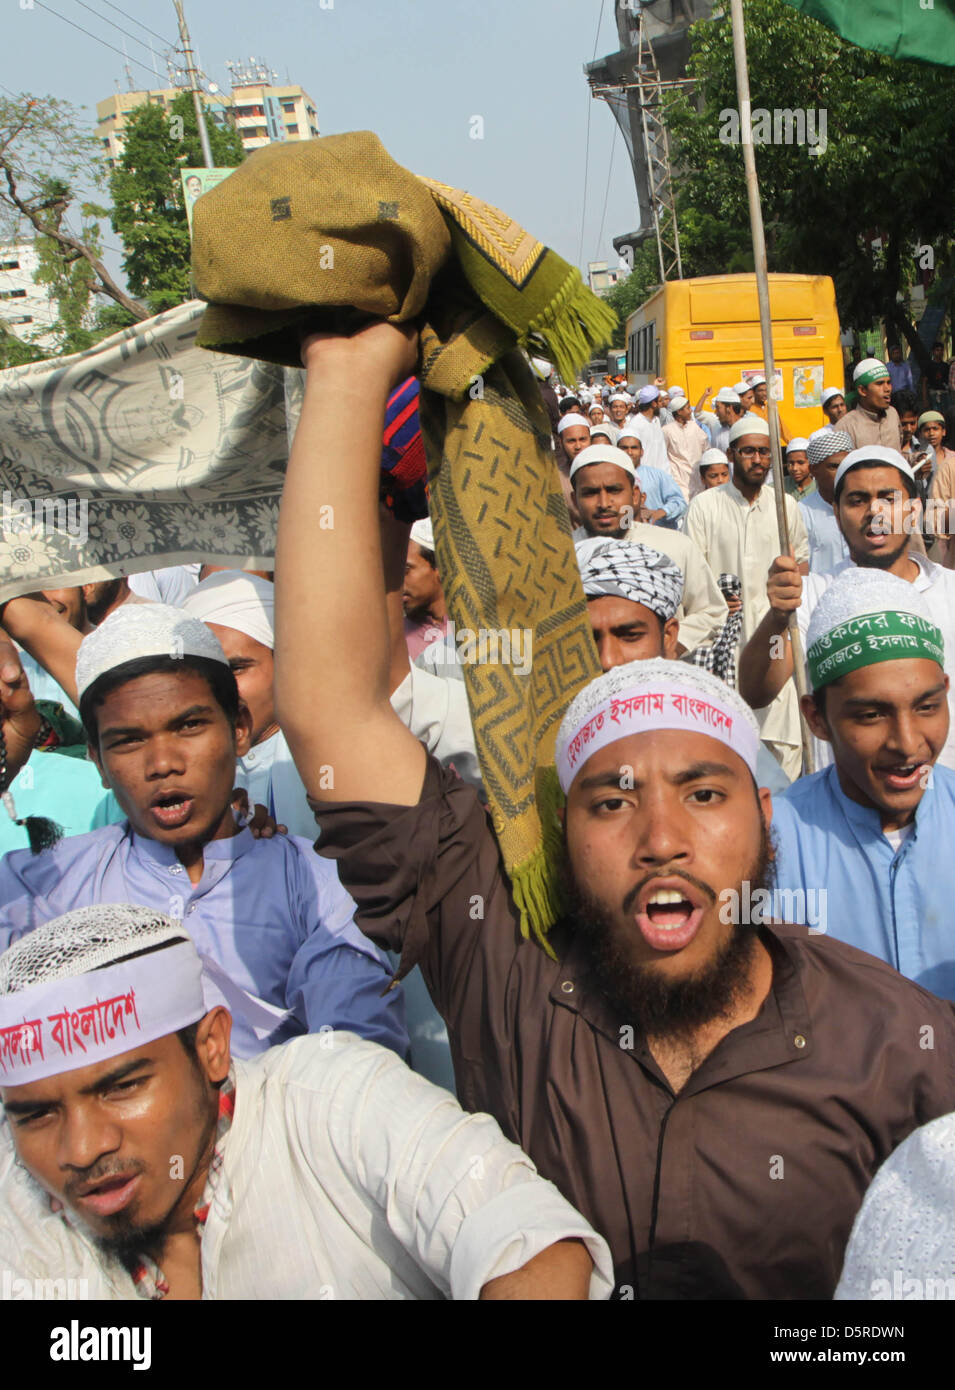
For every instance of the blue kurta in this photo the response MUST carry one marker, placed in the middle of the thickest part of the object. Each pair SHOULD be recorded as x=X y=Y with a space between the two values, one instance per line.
x=897 y=905
x=827 y=546
x=661 y=491
x=271 y=913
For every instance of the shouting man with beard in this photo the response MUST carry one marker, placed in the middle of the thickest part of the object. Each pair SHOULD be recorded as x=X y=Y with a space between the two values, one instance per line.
x=876 y=508
x=668 y=1061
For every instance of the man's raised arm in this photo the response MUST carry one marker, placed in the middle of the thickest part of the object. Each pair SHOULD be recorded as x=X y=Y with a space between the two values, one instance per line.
x=766 y=662
x=332 y=656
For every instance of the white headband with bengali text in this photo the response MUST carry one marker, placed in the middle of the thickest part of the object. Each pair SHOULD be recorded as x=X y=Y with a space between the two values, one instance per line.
x=647 y=709
x=62 y=1025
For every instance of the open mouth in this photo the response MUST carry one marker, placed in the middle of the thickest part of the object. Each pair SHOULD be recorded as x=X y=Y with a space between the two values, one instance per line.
x=902 y=778
x=669 y=919
x=109 y=1196
x=171 y=809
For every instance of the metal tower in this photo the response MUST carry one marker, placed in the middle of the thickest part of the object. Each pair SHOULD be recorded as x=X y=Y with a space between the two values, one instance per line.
x=636 y=83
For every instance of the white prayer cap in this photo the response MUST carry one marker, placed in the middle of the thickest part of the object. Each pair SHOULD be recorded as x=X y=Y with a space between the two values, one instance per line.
x=865 y=617
x=597 y=405
x=727 y=395
x=71 y=997
x=742 y=386
x=572 y=418
x=748 y=424
x=678 y=402
x=830 y=393
x=646 y=394
x=711 y=456
x=871 y=369
x=603 y=453
x=233 y=598
x=422 y=530
x=875 y=456
x=142 y=629
x=620 y=396
x=645 y=697
x=858 y=590
x=797 y=443
x=608 y=431
x=757 y=381
x=675 y=391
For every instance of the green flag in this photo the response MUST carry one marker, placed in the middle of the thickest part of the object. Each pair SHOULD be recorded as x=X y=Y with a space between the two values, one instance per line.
x=923 y=30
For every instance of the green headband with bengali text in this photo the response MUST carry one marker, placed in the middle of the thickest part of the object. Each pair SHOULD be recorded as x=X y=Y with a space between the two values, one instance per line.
x=870 y=638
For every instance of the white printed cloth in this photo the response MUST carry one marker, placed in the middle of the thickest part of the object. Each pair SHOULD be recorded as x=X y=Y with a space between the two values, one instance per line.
x=143 y=452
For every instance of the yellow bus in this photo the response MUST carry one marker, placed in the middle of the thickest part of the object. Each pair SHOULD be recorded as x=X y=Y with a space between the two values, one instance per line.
x=704 y=333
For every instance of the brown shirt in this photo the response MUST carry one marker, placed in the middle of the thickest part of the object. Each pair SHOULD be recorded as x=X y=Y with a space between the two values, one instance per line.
x=746 y=1183
x=865 y=427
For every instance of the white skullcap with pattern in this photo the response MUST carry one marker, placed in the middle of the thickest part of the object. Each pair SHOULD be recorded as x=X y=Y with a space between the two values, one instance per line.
x=142 y=629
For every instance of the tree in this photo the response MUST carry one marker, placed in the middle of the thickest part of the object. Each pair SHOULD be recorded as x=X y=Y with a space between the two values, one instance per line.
x=878 y=185
x=149 y=213
x=44 y=158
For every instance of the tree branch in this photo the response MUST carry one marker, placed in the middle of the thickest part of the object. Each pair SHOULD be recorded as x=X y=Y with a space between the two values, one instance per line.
x=107 y=283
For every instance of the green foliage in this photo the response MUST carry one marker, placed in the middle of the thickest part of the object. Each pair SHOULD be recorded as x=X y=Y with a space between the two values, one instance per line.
x=70 y=276
x=149 y=214
x=887 y=169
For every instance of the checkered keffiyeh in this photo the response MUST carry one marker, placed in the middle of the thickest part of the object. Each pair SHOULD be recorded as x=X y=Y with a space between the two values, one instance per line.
x=826 y=442
x=622 y=569
x=149 y=1279
x=720 y=656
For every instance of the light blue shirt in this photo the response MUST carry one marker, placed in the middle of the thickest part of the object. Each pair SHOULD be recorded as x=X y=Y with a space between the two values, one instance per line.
x=895 y=904
x=827 y=545
x=660 y=490
x=271 y=913
x=65 y=790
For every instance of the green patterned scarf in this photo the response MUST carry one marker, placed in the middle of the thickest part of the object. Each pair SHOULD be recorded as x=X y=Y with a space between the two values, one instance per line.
x=340 y=231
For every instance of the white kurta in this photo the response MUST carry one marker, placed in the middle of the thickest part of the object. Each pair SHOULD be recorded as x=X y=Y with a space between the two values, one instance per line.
x=650 y=435
x=345 y=1176
x=740 y=538
x=685 y=445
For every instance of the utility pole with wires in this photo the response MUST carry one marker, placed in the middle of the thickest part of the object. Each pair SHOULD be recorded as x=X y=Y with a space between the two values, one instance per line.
x=766 y=326
x=193 y=77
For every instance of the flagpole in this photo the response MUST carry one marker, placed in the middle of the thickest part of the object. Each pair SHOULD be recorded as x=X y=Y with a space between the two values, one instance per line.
x=766 y=328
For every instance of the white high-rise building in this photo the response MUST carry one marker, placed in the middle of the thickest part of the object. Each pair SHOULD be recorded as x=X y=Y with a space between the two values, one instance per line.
x=26 y=308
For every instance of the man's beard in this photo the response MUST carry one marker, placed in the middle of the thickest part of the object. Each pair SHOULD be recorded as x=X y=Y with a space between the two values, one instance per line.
x=878 y=559
x=103 y=596
x=129 y=1240
x=621 y=533
x=641 y=994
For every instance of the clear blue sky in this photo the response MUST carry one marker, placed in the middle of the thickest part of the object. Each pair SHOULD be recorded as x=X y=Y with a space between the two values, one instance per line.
x=413 y=71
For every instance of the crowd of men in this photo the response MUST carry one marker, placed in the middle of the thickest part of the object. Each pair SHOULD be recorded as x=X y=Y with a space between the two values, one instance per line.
x=269 y=1022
